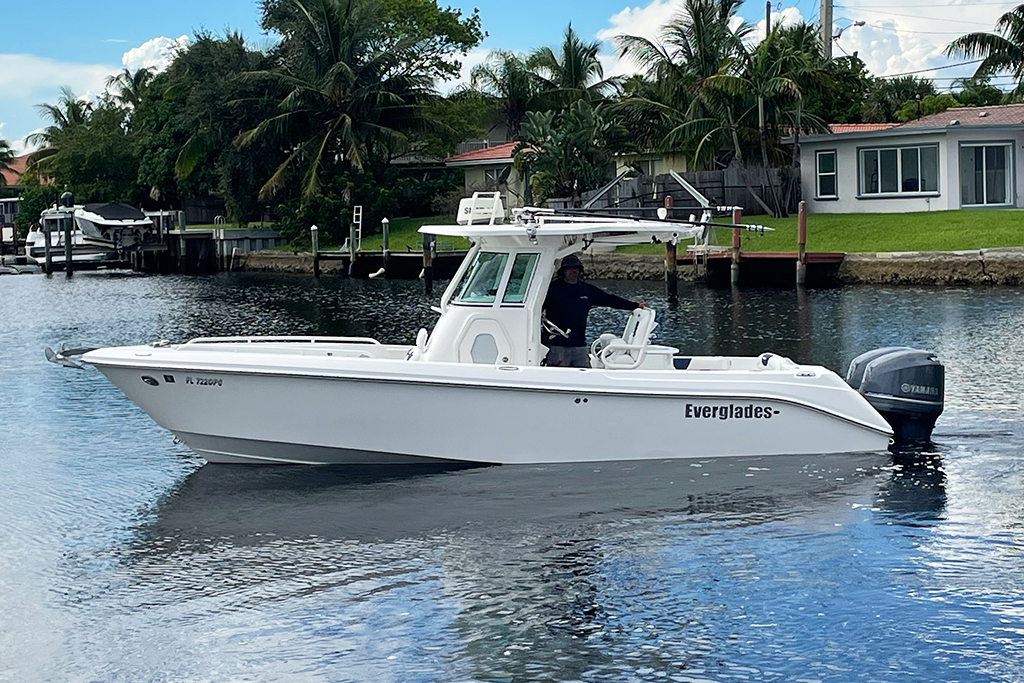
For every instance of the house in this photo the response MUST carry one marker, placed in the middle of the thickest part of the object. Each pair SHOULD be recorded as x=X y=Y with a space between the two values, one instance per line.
x=960 y=158
x=9 y=205
x=491 y=168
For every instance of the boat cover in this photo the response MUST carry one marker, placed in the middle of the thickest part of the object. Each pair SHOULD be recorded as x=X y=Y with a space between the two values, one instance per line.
x=113 y=211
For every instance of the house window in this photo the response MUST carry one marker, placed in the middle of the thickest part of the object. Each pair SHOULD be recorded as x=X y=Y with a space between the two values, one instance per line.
x=985 y=175
x=899 y=170
x=826 y=165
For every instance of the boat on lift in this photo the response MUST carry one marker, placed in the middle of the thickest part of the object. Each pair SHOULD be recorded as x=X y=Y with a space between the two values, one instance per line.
x=102 y=235
x=474 y=388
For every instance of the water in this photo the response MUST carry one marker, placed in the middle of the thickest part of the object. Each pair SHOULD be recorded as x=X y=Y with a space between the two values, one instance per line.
x=122 y=558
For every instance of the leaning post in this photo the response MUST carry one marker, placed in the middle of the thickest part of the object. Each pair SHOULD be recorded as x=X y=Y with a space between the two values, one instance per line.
x=384 y=222
x=801 y=243
x=428 y=264
x=68 y=223
x=671 y=260
x=313 y=230
x=734 y=269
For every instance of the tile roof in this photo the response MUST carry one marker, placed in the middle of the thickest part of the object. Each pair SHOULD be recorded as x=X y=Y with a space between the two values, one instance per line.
x=839 y=128
x=999 y=115
x=501 y=152
x=18 y=165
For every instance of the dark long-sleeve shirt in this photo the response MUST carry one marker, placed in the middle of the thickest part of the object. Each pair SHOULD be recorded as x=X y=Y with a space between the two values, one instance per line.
x=568 y=305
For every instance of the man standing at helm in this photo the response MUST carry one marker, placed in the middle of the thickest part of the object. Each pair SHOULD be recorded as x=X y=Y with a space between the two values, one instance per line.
x=567 y=305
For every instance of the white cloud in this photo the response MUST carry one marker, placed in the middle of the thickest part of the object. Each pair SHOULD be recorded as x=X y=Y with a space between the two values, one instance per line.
x=787 y=17
x=909 y=39
x=156 y=53
x=29 y=78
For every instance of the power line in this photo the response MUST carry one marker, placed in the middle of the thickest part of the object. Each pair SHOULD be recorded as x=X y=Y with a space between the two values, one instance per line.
x=926 y=6
x=911 y=16
x=934 y=68
x=901 y=30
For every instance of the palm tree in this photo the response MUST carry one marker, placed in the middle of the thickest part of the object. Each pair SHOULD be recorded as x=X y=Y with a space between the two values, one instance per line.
x=574 y=74
x=68 y=113
x=6 y=159
x=696 y=46
x=349 y=104
x=999 y=51
x=129 y=86
x=506 y=77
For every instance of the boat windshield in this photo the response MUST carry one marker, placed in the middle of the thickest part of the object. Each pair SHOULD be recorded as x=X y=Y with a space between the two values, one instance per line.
x=519 y=280
x=480 y=283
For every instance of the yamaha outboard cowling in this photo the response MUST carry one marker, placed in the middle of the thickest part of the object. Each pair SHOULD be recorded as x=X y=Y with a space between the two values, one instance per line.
x=905 y=385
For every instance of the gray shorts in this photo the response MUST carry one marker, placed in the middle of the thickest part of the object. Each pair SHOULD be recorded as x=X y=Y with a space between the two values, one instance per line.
x=568 y=357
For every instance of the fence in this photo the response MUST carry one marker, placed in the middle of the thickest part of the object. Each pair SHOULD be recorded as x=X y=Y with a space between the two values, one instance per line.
x=727 y=187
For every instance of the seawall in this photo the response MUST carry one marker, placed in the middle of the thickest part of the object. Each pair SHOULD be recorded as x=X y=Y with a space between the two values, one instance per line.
x=1004 y=266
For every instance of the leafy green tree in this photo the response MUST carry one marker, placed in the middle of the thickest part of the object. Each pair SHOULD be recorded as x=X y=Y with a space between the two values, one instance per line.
x=94 y=159
x=188 y=117
x=930 y=104
x=978 y=91
x=351 y=100
x=568 y=152
x=507 y=78
x=887 y=96
x=842 y=101
x=127 y=87
x=574 y=73
x=1002 y=51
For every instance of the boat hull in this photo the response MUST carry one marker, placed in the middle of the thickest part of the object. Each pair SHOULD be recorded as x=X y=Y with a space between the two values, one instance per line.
x=289 y=418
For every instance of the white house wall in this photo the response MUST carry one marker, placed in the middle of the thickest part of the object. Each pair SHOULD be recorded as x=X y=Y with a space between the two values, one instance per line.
x=948 y=196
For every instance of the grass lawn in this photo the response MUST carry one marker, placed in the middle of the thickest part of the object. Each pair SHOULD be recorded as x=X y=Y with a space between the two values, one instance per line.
x=928 y=231
x=403 y=235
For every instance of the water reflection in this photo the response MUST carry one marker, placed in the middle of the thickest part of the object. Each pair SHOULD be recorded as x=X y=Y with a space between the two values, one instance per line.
x=123 y=558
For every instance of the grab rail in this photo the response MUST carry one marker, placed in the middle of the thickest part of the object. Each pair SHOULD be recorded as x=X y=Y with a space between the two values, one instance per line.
x=281 y=340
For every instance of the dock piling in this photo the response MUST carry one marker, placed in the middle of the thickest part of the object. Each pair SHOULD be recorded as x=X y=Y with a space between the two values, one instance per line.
x=313 y=230
x=671 y=261
x=428 y=263
x=801 y=244
x=47 y=249
x=68 y=223
x=384 y=222
x=734 y=268
x=182 y=244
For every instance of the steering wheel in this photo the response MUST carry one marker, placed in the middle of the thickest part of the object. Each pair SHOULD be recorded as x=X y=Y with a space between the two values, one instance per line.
x=553 y=329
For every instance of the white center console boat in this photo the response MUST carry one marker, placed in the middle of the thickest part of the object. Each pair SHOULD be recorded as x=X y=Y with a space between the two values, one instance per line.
x=474 y=388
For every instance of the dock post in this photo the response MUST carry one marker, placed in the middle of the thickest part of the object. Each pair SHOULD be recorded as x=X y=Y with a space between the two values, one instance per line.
x=671 y=261
x=313 y=230
x=69 y=224
x=734 y=269
x=47 y=249
x=801 y=243
x=384 y=222
x=182 y=244
x=428 y=264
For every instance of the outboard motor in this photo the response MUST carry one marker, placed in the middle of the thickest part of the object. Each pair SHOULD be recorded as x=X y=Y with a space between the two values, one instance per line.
x=905 y=385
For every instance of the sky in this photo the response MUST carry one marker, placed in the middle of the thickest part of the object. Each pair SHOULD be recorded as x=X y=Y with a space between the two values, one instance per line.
x=56 y=43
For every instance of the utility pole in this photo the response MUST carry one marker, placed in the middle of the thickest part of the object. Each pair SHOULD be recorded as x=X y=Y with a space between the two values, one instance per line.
x=767 y=18
x=825 y=16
